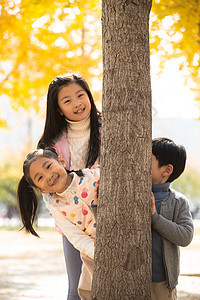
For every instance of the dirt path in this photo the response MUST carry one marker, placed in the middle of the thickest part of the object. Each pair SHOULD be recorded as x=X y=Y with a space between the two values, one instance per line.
x=33 y=268
x=189 y=281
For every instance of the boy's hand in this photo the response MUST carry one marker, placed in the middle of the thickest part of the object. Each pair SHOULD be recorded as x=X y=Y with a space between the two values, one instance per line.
x=96 y=192
x=153 y=206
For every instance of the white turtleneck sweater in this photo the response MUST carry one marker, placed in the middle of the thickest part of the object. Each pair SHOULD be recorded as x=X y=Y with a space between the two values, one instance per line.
x=78 y=136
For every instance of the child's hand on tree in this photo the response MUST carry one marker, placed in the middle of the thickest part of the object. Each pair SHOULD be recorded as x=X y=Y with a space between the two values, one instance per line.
x=96 y=192
x=153 y=206
x=95 y=167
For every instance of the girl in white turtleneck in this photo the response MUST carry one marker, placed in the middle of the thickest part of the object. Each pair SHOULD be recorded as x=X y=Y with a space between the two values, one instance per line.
x=72 y=128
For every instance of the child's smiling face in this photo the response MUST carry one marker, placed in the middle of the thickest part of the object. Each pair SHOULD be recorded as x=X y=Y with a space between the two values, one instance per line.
x=49 y=175
x=74 y=102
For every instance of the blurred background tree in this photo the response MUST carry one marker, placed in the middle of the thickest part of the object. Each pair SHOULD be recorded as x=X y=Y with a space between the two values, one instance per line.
x=175 y=34
x=7 y=190
x=40 y=41
x=188 y=184
x=9 y=179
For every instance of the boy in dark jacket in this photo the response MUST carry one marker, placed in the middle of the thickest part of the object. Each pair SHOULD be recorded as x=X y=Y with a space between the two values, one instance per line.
x=171 y=220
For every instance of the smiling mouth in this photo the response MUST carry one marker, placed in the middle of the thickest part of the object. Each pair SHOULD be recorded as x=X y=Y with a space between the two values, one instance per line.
x=80 y=111
x=55 y=180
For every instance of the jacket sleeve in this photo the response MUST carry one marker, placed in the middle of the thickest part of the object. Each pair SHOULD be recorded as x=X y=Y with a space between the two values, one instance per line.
x=180 y=230
x=96 y=171
x=79 y=239
x=62 y=149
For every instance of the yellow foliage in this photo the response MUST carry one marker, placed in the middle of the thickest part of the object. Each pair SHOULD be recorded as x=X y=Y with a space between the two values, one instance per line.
x=176 y=22
x=41 y=40
x=3 y=124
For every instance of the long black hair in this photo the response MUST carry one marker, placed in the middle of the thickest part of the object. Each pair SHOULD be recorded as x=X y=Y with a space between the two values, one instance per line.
x=55 y=123
x=26 y=194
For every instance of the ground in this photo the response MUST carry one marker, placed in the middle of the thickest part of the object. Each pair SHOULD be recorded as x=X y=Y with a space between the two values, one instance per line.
x=33 y=268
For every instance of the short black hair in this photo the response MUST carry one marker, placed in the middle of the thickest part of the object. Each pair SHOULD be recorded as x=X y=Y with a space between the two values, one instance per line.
x=167 y=152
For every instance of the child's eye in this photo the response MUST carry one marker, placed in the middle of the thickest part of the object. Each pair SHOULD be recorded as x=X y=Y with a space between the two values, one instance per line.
x=49 y=166
x=67 y=101
x=39 y=178
x=80 y=95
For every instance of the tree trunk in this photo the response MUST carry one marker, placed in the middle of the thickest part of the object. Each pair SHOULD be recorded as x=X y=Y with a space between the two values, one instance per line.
x=123 y=246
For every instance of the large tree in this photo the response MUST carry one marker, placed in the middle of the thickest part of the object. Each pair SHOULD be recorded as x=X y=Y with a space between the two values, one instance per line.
x=123 y=246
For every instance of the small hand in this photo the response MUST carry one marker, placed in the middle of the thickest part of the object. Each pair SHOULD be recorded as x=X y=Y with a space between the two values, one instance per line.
x=96 y=192
x=95 y=166
x=153 y=206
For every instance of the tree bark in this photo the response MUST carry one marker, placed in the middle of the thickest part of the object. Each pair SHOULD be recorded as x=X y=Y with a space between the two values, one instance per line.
x=123 y=247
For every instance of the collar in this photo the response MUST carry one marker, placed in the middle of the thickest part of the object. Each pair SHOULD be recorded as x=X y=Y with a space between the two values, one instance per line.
x=160 y=188
x=72 y=187
x=79 y=125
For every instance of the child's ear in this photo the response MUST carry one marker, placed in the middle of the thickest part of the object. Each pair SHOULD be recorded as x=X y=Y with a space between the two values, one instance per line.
x=62 y=161
x=60 y=112
x=168 y=170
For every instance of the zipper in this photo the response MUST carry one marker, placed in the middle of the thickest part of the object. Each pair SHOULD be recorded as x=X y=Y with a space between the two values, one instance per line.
x=166 y=271
x=164 y=261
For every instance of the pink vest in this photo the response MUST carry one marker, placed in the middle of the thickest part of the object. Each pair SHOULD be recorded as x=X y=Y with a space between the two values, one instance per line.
x=62 y=148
